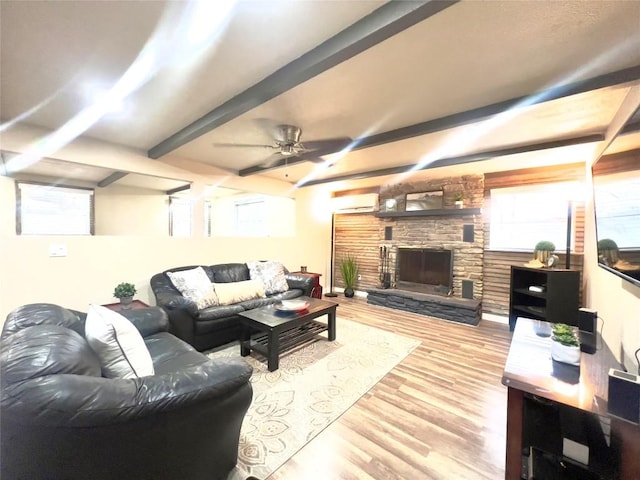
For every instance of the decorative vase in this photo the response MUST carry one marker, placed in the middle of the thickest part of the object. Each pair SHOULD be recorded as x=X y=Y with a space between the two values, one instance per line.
x=348 y=292
x=542 y=256
x=125 y=303
x=565 y=353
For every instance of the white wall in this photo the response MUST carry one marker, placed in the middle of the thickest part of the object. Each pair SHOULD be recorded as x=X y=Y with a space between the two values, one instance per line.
x=131 y=211
x=95 y=265
x=616 y=301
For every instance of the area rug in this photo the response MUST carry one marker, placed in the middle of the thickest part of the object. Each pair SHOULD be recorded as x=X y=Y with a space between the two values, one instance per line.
x=314 y=385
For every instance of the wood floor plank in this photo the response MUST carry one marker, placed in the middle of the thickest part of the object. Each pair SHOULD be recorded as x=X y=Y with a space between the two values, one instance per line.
x=439 y=414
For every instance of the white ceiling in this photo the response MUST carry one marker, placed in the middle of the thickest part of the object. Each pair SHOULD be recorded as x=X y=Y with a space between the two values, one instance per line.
x=469 y=55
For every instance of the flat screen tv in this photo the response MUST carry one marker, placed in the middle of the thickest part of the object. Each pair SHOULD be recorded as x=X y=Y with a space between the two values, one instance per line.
x=616 y=196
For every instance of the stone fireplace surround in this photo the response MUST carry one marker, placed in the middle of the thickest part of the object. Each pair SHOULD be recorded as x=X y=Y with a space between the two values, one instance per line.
x=439 y=231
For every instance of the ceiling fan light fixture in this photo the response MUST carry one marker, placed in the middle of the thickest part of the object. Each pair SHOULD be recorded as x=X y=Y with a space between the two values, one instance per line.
x=287 y=150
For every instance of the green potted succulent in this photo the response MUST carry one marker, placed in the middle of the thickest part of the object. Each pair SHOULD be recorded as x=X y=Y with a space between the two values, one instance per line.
x=543 y=250
x=349 y=269
x=125 y=292
x=459 y=199
x=565 y=345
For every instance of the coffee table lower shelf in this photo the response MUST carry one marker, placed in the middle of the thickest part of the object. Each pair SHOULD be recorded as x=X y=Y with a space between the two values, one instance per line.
x=287 y=339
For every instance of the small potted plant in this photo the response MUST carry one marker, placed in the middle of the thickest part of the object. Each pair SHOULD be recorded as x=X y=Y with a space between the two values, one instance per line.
x=125 y=292
x=608 y=252
x=565 y=345
x=459 y=199
x=349 y=269
x=543 y=250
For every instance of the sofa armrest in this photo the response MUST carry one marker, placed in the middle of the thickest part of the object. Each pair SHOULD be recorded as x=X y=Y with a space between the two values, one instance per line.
x=88 y=401
x=303 y=281
x=174 y=301
x=148 y=320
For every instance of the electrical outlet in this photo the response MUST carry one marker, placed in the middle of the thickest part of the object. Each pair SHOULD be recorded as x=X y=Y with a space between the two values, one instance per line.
x=359 y=277
x=57 y=250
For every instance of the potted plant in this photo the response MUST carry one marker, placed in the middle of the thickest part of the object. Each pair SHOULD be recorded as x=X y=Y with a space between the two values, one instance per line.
x=565 y=345
x=349 y=269
x=543 y=250
x=608 y=252
x=459 y=199
x=125 y=292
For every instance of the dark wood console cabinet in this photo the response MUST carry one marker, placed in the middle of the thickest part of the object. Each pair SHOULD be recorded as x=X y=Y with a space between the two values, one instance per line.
x=547 y=401
x=558 y=303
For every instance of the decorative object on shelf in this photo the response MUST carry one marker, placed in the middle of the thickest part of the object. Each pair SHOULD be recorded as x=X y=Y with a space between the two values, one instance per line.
x=125 y=292
x=553 y=261
x=543 y=250
x=424 y=201
x=535 y=263
x=303 y=269
x=389 y=205
x=459 y=199
x=349 y=269
x=565 y=345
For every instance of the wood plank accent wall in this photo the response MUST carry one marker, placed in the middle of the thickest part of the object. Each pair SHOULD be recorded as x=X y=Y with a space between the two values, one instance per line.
x=358 y=234
x=497 y=264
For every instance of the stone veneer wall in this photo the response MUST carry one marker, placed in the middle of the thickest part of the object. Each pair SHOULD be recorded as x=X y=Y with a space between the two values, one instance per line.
x=363 y=234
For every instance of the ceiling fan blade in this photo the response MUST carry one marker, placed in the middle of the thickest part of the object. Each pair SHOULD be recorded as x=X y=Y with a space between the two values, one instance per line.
x=272 y=160
x=338 y=143
x=243 y=145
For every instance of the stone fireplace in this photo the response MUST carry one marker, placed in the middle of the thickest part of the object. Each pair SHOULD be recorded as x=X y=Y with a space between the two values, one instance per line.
x=433 y=257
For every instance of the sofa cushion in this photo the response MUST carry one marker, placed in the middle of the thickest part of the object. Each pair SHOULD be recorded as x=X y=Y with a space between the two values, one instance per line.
x=235 y=292
x=117 y=343
x=229 y=272
x=271 y=274
x=195 y=285
x=221 y=311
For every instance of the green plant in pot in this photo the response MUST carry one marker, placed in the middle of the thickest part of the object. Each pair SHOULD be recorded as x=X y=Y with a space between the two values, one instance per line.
x=565 y=345
x=349 y=269
x=459 y=199
x=608 y=252
x=543 y=250
x=125 y=292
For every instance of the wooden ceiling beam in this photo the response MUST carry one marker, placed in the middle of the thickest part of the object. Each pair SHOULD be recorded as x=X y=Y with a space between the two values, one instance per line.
x=378 y=26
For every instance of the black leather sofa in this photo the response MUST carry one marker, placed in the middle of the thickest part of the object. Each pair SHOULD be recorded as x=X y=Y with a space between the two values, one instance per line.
x=62 y=420
x=217 y=325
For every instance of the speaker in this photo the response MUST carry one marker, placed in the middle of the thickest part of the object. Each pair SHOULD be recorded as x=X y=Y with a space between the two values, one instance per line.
x=624 y=395
x=588 y=325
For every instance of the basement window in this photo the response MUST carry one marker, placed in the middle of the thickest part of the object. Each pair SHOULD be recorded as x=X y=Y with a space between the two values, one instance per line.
x=53 y=210
x=250 y=218
x=523 y=216
x=179 y=217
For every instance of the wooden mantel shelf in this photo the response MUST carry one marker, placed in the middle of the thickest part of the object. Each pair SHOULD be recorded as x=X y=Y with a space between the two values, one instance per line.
x=429 y=213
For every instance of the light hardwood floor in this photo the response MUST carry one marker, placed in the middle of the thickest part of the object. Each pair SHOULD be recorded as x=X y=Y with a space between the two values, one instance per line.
x=439 y=414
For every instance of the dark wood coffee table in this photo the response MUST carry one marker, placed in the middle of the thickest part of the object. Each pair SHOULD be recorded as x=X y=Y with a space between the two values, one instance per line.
x=281 y=331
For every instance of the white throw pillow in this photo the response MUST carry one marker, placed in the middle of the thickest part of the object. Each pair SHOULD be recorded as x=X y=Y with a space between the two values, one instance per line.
x=195 y=285
x=118 y=344
x=271 y=274
x=235 y=292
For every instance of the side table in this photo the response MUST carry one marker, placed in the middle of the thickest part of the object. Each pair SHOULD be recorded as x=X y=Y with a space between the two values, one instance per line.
x=134 y=305
x=317 y=288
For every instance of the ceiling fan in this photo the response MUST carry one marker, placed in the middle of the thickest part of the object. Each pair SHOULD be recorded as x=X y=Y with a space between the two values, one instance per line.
x=289 y=146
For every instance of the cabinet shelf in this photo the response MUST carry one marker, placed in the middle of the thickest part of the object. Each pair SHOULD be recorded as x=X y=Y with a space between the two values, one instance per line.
x=559 y=302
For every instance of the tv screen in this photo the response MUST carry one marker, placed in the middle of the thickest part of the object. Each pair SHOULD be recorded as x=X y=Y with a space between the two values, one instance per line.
x=616 y=196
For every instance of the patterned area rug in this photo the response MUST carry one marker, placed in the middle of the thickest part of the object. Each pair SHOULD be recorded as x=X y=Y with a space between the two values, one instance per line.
x=314 y=385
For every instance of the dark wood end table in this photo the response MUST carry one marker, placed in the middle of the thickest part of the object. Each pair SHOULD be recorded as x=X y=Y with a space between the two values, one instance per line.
x=134 y=305
x=281 y=331
x=317 y=288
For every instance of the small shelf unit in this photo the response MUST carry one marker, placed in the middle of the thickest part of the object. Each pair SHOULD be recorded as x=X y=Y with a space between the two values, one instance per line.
x=557 y=303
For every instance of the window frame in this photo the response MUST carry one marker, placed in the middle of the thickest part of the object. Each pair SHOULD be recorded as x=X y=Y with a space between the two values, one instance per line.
x=20 y=212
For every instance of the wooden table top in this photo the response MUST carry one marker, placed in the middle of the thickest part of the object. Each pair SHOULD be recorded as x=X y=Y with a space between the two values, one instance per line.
x=529 y=368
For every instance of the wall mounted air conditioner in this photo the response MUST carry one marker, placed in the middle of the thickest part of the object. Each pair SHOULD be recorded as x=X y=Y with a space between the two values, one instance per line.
x=365 y=202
